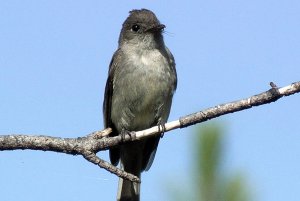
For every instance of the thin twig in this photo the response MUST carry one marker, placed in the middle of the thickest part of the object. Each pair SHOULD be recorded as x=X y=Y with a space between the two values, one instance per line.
x=94 y=142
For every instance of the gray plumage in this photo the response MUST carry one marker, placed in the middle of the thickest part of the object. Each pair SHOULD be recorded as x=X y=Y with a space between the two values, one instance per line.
x=138 y=95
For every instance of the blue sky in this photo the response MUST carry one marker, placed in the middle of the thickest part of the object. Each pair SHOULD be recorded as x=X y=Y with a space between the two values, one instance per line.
x=54 y=57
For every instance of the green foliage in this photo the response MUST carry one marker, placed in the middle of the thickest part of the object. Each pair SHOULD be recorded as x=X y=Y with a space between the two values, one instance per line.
x=208 y=149
x=209 y=182
x=235 y=189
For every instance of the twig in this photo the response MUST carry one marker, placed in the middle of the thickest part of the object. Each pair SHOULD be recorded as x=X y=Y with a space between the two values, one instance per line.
x=89 y=145
x=266 y=97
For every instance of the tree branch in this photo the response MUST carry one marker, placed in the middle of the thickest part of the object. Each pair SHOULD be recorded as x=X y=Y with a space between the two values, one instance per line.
x=97 y=141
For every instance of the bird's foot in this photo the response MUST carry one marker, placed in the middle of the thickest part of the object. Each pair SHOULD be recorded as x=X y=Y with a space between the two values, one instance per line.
x=126 y=132
x=161 y=129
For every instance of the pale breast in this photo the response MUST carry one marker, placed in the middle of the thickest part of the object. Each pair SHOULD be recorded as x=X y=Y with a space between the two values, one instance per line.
x=144 y=86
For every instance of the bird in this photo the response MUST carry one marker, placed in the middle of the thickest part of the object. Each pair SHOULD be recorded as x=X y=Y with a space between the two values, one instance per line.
x=141 y=82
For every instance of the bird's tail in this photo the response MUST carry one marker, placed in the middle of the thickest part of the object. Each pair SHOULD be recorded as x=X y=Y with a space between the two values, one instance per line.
x=128 y=190
x=131 y=162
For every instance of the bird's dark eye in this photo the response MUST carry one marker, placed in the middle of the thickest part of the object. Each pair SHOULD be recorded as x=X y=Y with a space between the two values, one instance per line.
x=135 y=28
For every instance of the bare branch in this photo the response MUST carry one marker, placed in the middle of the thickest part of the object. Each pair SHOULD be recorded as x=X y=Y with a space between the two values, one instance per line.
x=92 y=143
x=85 y=146
x=90 y=156
x=260 y=99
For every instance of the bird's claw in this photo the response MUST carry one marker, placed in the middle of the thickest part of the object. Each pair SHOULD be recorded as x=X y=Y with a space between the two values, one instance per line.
x=161 y=129
x=126 y=132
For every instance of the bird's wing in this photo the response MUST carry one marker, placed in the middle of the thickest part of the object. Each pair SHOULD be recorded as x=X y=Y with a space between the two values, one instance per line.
x=114 y=153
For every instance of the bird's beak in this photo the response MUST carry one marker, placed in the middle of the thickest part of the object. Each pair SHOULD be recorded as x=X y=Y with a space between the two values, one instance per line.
x=156 y=28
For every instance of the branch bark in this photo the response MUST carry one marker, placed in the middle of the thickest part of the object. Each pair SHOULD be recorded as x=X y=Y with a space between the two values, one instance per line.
x=90 y=144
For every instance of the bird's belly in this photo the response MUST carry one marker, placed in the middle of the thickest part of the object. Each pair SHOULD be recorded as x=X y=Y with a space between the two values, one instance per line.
x=143 y=94
x=143 y=90
x=140 y=110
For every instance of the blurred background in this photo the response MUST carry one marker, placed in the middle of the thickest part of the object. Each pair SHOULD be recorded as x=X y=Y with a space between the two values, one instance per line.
x=54 y=58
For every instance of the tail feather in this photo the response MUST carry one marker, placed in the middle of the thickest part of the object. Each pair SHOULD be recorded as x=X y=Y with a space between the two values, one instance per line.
x=128 y=190
x=131 y=156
